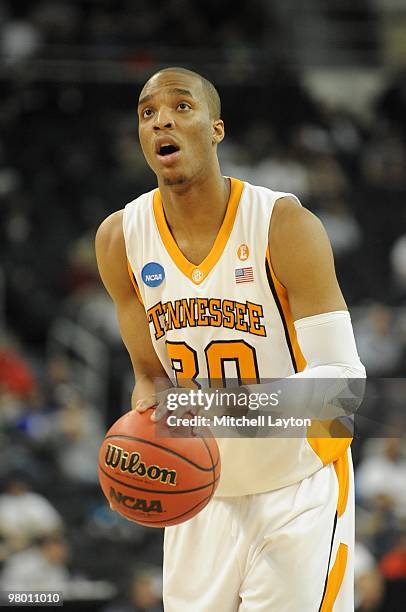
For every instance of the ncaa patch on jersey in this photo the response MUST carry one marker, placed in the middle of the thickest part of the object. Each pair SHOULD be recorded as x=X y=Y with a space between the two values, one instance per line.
x=153 y=274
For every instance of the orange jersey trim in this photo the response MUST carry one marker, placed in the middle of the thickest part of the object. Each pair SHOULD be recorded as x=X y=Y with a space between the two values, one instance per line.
x=198 y=273
x=329 y=440
x=134 y=282
x=282 y=302
x=342 y=469
x=335 y=579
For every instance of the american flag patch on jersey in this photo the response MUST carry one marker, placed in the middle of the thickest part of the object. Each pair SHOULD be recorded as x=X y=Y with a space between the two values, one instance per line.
x=244 y=275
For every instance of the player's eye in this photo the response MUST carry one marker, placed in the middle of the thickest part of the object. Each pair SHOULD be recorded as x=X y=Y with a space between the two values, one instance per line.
x=147 y=112
x=184 y=106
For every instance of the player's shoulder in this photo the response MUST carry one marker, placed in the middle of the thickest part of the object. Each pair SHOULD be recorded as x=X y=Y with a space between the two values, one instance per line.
x=290 y=218
x=110 y=231
x=111 y=254
x=296 y=239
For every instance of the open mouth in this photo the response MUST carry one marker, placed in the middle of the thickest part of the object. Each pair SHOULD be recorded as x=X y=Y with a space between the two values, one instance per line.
x=167 y=152
x=168 y=149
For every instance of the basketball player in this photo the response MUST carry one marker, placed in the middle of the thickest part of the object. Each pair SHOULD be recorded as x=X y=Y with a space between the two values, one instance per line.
x=208 y=271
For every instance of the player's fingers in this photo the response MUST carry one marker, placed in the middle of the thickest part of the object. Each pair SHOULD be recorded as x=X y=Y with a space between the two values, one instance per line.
x=159 y=412
x=161 y=405
x=143 y=404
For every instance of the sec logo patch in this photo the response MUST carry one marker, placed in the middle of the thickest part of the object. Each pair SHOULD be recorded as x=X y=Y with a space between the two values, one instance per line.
x=153 y=274
x=197 y=275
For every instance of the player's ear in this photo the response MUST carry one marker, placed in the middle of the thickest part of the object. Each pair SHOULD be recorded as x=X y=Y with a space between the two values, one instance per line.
x=217 y=131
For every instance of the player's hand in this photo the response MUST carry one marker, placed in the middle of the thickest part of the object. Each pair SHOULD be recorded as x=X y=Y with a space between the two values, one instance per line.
x=146 y=392
x=169 y=401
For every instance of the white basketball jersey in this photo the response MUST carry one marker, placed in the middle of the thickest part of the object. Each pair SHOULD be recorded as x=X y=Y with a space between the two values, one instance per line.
x=228 y=317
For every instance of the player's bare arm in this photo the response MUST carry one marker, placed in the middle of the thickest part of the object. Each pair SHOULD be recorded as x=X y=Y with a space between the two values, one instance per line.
x=302 y=259
x=303 y=263
x=112 y=263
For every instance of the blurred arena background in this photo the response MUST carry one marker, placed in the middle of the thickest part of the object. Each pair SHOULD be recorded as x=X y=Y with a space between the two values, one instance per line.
x=314 y=102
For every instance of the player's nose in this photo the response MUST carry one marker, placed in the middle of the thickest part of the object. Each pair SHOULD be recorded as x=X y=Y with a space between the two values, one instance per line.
x=163 y=119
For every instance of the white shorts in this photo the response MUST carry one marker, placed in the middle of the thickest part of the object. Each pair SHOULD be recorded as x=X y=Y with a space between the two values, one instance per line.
x=288 y=550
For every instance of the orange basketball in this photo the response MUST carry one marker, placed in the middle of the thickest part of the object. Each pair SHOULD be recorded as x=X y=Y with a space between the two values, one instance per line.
x=154 y=477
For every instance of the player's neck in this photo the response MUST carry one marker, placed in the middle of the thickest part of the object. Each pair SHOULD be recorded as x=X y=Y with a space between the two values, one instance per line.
x=199 y=207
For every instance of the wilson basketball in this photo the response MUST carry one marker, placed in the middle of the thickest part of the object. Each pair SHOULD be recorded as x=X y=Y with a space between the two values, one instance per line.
x=154 y=477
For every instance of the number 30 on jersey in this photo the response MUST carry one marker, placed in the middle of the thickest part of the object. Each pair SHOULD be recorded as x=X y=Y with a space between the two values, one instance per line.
x=218 y=354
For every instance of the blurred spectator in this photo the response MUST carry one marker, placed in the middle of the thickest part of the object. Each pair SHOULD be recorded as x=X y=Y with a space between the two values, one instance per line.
x=327 y=179
x=369 y=585
x=24 y=514
x=341 y=226
x=282 y=172
x=82 y=267
x=393 y=564
x=79 y=435
x=393 y=568
x=236 y=161
x=16 y=376
x=384 y=160
x=88 y=303
x=381 y=478
x=398 y=263
x=379 y=345
x=144 y=593
x=392 y=102
x=19 y=40
x=41 y=567
x=58 y=21
x=345 y=132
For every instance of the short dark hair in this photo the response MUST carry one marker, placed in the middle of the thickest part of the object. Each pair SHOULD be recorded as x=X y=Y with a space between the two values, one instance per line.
x=211 y=93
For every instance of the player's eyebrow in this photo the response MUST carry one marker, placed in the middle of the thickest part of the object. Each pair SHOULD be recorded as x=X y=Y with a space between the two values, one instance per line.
x=175 y=90
x=182 y=92
x=144 y=99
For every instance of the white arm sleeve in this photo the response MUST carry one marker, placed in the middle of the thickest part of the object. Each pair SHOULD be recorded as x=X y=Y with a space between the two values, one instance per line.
x=328 y=345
